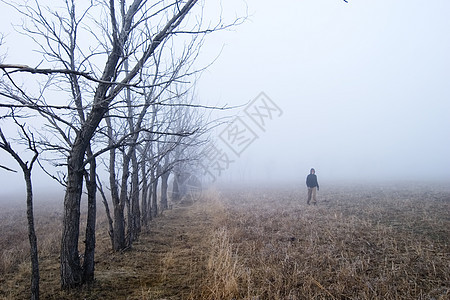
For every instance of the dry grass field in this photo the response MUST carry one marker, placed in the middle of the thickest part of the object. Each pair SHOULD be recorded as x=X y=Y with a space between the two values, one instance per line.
x=359 y=242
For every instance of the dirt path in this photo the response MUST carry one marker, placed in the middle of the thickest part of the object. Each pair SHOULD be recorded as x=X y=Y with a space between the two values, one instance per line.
x=168 y=262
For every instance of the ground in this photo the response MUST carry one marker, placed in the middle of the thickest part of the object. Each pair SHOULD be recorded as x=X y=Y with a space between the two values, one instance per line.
x=359 y=242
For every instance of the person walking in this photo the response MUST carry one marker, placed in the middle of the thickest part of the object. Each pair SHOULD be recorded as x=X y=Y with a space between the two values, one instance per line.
x=313 y=185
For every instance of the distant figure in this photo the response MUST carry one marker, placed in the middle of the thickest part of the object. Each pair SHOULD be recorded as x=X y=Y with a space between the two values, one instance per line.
x=312 y=184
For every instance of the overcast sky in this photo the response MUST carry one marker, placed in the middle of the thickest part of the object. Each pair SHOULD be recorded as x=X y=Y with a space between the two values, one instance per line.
x=364 y=88
x=361 y=88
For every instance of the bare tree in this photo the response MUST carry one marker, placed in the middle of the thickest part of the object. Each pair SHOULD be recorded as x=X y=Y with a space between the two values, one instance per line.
x=97 y=76
x=105 y=92
x=27 y=167
x=138 y=128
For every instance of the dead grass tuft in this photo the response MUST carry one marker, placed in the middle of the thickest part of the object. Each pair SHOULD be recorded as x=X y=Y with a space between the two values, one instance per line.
x=377 y=243
x=224 y=271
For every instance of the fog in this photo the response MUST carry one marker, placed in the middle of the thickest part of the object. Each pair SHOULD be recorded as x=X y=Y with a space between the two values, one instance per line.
x=361 y=90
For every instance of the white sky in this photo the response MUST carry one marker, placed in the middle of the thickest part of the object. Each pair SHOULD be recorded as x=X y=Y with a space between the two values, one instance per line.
x=363 y=86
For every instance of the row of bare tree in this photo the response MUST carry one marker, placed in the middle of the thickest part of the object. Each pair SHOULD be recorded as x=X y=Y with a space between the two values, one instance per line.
x=112 y=112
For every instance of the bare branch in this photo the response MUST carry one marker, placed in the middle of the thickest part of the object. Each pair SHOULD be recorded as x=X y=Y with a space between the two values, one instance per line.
x=6 y=168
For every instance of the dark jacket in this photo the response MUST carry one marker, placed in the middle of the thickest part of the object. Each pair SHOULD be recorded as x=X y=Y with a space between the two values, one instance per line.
x=311 y=181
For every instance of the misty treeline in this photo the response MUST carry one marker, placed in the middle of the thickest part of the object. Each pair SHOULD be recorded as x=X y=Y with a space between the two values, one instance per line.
x=109 y=111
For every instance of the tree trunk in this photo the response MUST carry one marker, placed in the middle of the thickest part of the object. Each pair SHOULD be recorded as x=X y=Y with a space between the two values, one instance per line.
x=119 y=229
x=144 y=195
x=89 y=251
x=149 y=200
x=71 y=271
x=118 y=226
x=164 y=188
x=175 y=188
x=135 y=215
x=32 y=238
x=108 y=214
x=154 y=197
